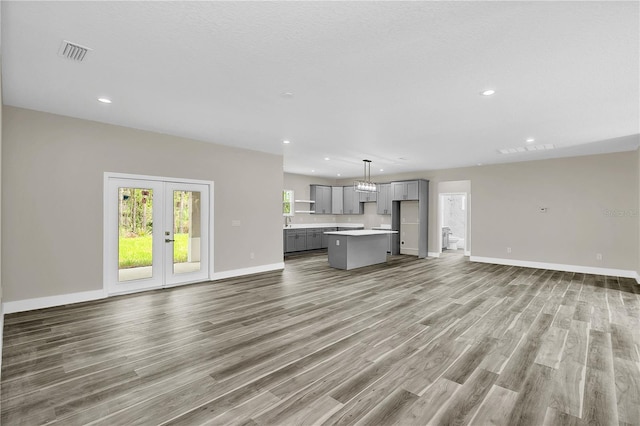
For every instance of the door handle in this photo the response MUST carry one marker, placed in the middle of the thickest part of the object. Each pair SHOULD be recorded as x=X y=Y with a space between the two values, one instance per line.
x=167 y=240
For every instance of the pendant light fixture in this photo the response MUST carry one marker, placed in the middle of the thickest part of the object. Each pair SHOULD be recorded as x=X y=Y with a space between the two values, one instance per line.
x=365 y=185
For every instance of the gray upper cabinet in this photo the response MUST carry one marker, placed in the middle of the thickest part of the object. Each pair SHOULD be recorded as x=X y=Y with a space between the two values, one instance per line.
x=352 y=204
x=367 y=197
x=337 y=199
x=406 y=190
x=321 y=194
x=383 y=204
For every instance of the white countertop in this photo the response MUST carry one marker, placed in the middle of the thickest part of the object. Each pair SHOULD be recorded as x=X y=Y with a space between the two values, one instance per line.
x=361 y=232
x=323 y=225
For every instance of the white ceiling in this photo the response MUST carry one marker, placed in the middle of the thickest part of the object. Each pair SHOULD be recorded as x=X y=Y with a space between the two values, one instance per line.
x=395 y=82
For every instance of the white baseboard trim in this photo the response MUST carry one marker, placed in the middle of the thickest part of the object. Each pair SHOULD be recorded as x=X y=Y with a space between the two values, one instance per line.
x=85 y=296
x=557 y=267
x=433 y=254
x=50 y=301
x=247 y=271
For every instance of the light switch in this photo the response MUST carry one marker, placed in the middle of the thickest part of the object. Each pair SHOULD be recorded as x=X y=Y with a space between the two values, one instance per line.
x=235 y=223
x=337 y=242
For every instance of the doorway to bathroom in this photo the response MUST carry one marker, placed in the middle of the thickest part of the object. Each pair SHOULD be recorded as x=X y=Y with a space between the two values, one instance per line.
x=454 y=217
x=453 y=213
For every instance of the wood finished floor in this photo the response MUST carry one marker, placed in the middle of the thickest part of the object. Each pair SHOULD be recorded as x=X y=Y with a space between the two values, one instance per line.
x=436 y=341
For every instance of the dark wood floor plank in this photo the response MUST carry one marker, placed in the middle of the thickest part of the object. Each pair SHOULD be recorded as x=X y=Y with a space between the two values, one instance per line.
x=533 y=399
x=600 y=405
x=627 y=381
x=428 y=404
x=496 y=408
x=568 y=388
x=412 y=341
x=462 y=407
x=390 y=409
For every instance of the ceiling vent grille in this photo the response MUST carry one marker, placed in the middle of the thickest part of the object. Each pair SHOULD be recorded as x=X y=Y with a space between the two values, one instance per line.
x=73 y=51
x=526 y=149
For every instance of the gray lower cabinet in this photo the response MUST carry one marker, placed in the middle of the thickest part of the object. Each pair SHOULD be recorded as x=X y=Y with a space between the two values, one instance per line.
x=352 y=204
x=405 y=190
x=295 y=240
x=305 y=239
x=325 y=238
x=383 y=204
x=314 y=238
x=337 y=199
x=289 y=240
x=301 y=239
x=321 y=194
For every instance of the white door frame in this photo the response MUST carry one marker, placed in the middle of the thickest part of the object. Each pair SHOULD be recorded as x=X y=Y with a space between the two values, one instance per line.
x=467 y=220
x=106 y=229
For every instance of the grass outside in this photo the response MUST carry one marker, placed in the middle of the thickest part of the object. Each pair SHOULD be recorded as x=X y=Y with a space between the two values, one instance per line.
x=134 y=252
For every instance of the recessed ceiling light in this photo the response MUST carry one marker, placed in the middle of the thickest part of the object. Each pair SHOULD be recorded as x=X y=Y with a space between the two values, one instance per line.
x=286 y=142
x=287 y=95
x=382 y=170
x=531 y=140
x=313 y=171
x=327 y=158
x=488 y=92
x=338 y=174
x=104 y=100
x=479 y=164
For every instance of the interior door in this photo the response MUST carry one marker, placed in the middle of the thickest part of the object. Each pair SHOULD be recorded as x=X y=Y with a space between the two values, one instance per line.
x=156 y=234
x=186 y=233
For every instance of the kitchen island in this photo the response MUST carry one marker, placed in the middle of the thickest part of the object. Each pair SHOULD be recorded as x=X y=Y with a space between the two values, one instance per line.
x=358 y=248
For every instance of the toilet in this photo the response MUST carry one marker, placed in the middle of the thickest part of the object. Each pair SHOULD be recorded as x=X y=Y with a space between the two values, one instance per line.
x=455 y=243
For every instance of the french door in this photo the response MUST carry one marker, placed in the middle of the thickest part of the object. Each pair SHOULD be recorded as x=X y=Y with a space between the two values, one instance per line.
x=156 y=233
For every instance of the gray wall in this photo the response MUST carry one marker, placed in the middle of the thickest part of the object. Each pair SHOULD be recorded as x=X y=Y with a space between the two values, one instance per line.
x=52 y=205
x=578 y=191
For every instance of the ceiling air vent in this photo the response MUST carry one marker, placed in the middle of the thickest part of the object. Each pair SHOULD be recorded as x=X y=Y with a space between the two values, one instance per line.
x=526 y=149
x=73 y=51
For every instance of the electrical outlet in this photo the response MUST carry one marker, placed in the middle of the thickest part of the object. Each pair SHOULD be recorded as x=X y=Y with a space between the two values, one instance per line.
x=508 y=249
x=337 y=242
x=252 y=255
x=598 y=256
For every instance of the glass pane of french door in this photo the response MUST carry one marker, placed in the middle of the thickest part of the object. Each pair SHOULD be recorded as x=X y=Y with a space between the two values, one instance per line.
x=186 y=231
x=187 y=260
x=135 y=233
